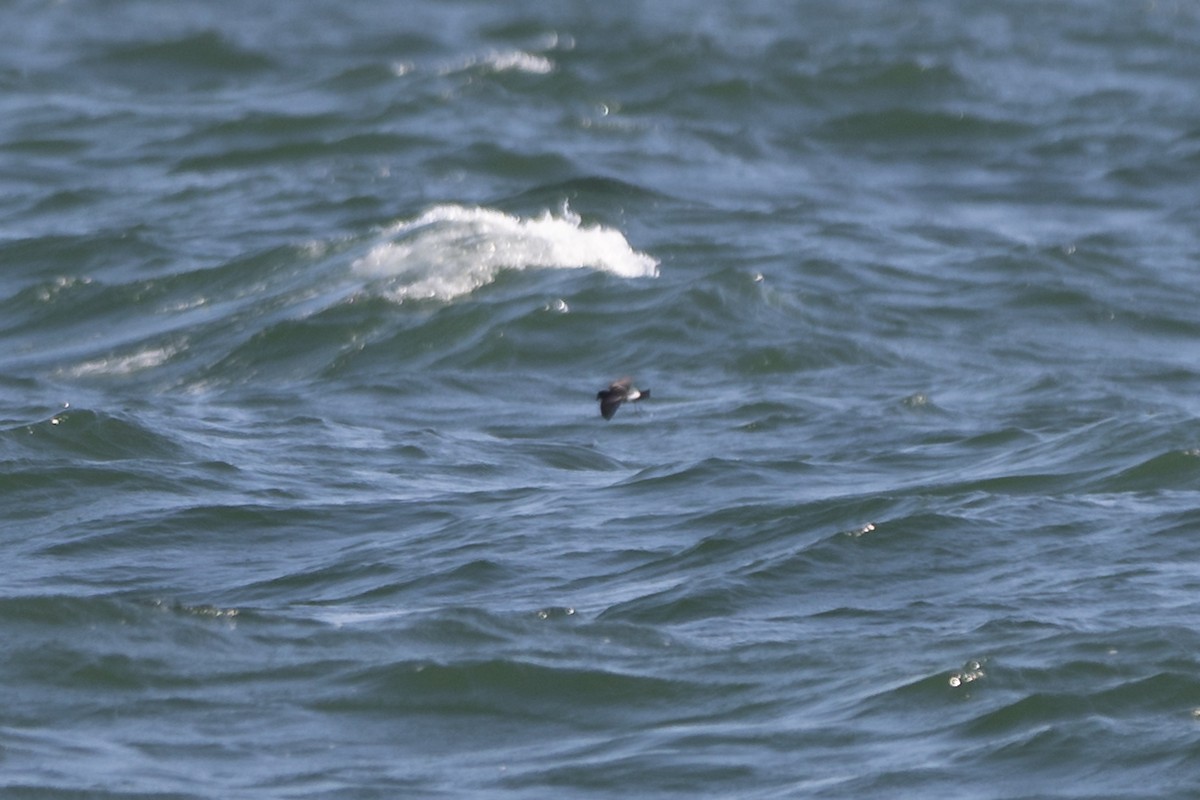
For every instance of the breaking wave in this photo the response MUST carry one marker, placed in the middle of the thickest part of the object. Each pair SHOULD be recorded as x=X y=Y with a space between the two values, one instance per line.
x=452 y=250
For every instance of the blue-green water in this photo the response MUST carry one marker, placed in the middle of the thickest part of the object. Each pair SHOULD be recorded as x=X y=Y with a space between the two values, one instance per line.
x=304 y=308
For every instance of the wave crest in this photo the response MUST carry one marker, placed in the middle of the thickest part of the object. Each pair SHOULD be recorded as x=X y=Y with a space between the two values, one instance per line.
x=452 y=250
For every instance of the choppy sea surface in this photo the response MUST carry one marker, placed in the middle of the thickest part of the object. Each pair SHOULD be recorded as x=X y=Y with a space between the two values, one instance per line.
x=303 y=311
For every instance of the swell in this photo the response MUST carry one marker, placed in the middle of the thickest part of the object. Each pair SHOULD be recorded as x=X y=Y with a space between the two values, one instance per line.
x=41 y=260
x=514 y=689
x=90 y=436
x=201 y=60
x=297 y=312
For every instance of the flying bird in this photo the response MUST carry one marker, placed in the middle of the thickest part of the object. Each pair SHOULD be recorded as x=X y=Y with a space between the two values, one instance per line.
x=619 y=392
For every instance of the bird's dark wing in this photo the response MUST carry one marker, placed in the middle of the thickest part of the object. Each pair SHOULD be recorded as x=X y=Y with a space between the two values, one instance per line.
x=612 y=397
x=609 y=403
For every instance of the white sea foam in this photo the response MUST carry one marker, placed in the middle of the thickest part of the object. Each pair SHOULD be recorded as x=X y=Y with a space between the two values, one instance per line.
x=518 y=61
x=502 y=61
x=451 y=250
x=126 y=364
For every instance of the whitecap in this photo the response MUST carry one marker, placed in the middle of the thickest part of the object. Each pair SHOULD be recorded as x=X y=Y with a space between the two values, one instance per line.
x=518 y=61
x=124 y=365
x=452 y=250
x=502 y=61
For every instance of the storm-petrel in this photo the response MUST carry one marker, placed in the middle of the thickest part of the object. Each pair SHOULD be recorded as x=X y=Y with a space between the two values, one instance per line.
x=619 y=392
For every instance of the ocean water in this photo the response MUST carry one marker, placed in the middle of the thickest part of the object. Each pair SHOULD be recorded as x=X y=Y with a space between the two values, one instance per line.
x=303 y=311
